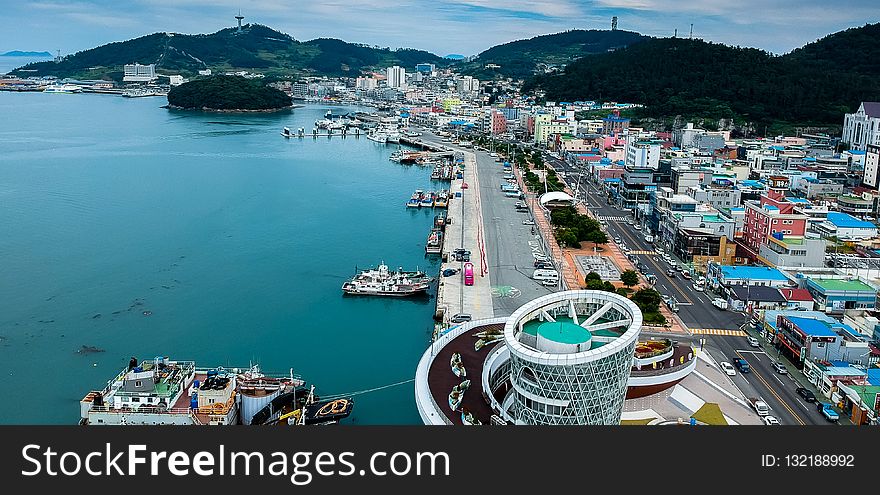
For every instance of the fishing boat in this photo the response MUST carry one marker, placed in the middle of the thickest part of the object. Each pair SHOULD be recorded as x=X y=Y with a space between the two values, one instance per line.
x=428 y=200
x=442 y=199
x=457 y=365
x=415 y=201
x=434 y=243
x=381 y=281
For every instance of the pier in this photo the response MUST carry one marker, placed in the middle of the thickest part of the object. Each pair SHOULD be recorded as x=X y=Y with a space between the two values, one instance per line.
x=464 y=230
x=315 y=133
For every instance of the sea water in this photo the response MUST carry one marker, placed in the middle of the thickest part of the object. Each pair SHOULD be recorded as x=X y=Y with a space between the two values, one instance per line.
x=135 y=230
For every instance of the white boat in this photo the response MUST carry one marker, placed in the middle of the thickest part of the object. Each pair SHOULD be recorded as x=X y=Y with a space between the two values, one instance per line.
x=457 y=365
x=62 y=88
x=383 y=282
x=468 y=419
x=378 y=136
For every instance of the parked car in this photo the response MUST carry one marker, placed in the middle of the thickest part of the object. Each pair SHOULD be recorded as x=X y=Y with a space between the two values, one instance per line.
x=779 y=368
x=698 y=288
x=753 y=342
x=670 y=273
x=617 y=240
x=528 y=222
x=728 y=368
x=449 y=272
x=770 y=420
x=806 y=394
x=685 y=275
x=637 y=227
x=460 y=318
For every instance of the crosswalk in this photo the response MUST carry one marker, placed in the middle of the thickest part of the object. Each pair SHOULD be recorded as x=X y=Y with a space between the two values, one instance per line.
x=615 y=219
x=718 y=331
x=642 y=252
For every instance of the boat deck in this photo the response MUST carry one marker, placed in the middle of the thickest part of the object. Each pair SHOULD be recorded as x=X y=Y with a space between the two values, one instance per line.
x=441 y=378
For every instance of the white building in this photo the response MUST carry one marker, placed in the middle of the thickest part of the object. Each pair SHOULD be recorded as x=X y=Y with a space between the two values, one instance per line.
x=366 y=83
x=176 y=80
x=642 y=154
x=467 y=84
x=863 y=127
x=139 y=73
x=871 y=178
x=396 y=77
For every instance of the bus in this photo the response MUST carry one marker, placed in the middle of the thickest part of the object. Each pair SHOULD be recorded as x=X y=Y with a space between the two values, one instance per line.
x=546 y=276
x=468 y=274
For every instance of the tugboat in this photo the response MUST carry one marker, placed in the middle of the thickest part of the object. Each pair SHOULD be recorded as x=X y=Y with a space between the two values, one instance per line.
x=383 y=282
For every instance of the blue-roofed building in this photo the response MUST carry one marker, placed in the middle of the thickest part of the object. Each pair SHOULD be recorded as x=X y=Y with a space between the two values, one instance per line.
x=728 y=275
x=846 y=227
x=803 y=338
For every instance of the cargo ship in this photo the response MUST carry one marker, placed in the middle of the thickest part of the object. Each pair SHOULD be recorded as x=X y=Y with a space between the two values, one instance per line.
x=165 y=392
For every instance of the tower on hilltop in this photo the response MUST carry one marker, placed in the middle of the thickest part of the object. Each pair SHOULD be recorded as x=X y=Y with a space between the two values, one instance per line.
x=614 y=23
x=239 y=18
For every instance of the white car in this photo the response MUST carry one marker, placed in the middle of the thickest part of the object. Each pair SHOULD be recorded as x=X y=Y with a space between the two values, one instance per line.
x=753 y=342
x=770 y=420
x=698 y=288
x=728 y=368
x=528 y=222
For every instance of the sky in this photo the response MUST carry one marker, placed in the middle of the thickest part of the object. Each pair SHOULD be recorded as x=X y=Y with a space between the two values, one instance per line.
x=443 y=27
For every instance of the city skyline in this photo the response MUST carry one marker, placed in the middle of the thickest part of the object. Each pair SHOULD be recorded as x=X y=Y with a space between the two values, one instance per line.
x=75 y=25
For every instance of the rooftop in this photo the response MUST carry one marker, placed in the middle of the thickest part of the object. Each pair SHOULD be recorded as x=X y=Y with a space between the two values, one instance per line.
x=813 y=328
x=752 y=273
x=846 y=221
x=836 y=284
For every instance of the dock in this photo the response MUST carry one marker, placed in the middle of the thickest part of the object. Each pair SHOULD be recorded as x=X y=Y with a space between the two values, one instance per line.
x=464 y=230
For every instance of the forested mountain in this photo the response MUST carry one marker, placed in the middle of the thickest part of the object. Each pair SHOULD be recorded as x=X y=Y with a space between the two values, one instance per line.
x=520 y=59
x=257 y=47
x=814 y=84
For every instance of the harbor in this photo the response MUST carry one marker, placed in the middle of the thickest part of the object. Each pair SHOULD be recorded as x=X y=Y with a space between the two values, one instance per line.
x=211 y=238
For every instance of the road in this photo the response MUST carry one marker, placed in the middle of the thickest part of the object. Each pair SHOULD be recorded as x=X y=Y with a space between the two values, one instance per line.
x=718 y=330
x=509 y=243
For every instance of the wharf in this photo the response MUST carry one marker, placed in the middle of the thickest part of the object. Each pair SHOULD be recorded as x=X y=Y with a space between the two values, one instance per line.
x=418 y=143
x=466 y=232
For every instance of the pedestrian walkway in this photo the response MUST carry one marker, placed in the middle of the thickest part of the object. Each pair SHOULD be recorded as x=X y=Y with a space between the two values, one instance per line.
x=718 y=331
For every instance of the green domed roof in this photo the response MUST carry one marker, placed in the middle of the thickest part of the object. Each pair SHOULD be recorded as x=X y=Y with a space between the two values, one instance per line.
x=564 y=332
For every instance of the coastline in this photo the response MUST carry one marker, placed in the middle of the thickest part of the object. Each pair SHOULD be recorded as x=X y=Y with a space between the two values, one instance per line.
x=218 y=110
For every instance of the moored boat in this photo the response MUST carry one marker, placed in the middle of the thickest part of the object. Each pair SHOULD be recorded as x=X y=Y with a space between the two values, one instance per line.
x=381 y=281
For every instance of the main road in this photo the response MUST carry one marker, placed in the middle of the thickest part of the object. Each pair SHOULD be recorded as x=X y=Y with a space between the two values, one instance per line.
x=719 y=331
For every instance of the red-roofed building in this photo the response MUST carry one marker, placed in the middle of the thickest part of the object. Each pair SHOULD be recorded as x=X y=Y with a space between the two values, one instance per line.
x=797 y=298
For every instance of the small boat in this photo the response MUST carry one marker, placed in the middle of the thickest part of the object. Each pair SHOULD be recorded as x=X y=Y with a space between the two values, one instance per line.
x=457 y=366
x=468 y=419
x=479 y=344
x=428 y=200
x=457 y=394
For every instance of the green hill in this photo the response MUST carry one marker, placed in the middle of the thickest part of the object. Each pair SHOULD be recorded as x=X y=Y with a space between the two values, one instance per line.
x=814 y=84
x=257 y=47
x=227 y=93
x=520 y=59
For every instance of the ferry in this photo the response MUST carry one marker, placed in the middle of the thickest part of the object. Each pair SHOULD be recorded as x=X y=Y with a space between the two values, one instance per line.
x=165 y=392
x=381 y=281
x=59 y=88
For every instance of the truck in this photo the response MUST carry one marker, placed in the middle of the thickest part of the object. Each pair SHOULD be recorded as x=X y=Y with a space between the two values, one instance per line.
x=760 y=406
x=827 y=411
x=720 y=303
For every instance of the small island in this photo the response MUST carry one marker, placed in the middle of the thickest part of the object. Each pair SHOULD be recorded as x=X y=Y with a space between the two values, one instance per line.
x=228 y=94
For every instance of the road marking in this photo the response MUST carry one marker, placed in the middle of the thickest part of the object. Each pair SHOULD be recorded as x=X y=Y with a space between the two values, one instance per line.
x=718 y=331
x=751 y=352
x=784 y=404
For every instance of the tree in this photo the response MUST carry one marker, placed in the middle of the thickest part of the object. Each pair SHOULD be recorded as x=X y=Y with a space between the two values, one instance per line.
x=593 y=276
x=648 y=300
x=629 y=278
x=597 y=237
